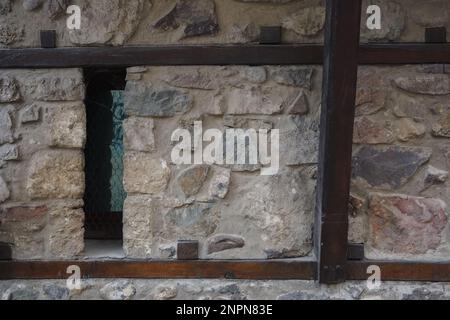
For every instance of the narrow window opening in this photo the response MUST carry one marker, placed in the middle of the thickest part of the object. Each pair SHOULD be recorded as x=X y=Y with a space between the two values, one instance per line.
x=104 y=192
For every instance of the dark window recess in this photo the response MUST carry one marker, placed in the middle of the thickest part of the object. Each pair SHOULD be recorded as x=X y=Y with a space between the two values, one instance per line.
x=104 y=193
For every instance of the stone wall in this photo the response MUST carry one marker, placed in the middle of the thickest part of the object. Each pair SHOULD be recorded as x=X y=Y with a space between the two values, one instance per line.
x=232 y=209
x=400 y=186
x=135 y=22
x=401 y=161
x=42 y=134
x=139 y=289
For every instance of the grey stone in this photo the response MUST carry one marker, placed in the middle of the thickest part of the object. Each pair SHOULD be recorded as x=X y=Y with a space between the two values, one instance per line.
x=56 y=292
x=424 y=294
x=192 y=79
x=121 y=290
x=138 y=134
x=6 y=133
x=9 y=90
x=431 y=68
x=294 y=76
x=388 y=167
x=435 y=176
x=266 y=215
x=5 y=7
x=188 y=216
x=429 y=84
x=246 y=123
x=254 y=100
x=244 y=32
x=254 y=74
x=299 y=105
x=56 y=8
x=220 y=183
x=58 y=87
x=222 y=242
x=195 y=17
x=285 y=253
x=191 y=179
x=306 y=22
x=231 y=292
x=149 y=102
x=30 y=113
x=299 y=140
x=30 y=5
x=4 y=191
x=9 y=152
x=21 y=292
x=167 y=251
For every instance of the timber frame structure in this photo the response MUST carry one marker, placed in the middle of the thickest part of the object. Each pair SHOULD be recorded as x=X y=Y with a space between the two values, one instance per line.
x=340 y=56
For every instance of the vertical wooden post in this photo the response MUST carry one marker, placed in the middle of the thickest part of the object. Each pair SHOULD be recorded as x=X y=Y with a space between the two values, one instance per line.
x=336 y=131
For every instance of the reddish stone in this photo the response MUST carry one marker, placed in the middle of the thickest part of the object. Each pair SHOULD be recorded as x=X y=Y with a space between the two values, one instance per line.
x=19 y=214
x=406 y=224
x=371 y=132
x=370 y=93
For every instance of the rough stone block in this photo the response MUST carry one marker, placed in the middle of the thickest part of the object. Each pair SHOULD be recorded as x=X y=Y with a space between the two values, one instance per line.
x=144 y=174
x=196 y=17
x=66 y=232
x=191 y=179
x=306 y=22
x=138 y=134
x=138 y=225
x=299 y=140
x=406 y=224
x=144 y=101
x=254 y=100
x=6 y=126
x=9 y=90
x=108 y=22
x=294 y=76
x=388 y=167
x=67 y=126
x=56 y=174
x=67 y=85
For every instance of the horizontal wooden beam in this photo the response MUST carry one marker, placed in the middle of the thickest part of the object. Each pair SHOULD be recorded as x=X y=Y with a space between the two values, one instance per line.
x=160 y=55
x=200 y=269
x=406 y=53
x=221 y=269
x=401 y=270
x=112 y=57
